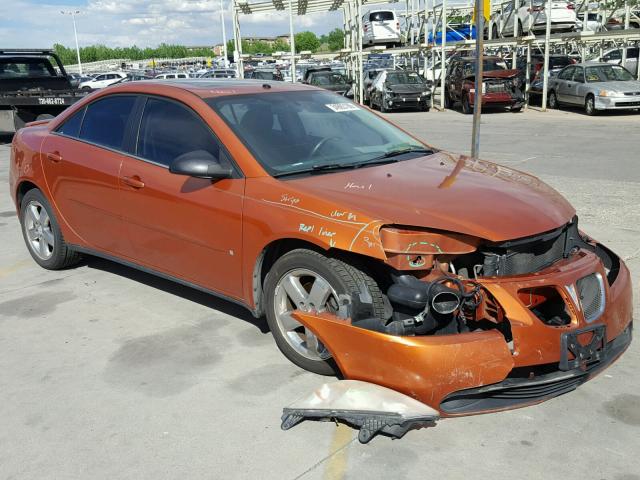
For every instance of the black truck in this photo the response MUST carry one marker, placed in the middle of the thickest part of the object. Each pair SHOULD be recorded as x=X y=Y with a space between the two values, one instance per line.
x=32 y=87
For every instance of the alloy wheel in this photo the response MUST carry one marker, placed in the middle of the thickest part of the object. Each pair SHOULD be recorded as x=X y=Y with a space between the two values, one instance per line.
x=305 y=290
x=37 y=227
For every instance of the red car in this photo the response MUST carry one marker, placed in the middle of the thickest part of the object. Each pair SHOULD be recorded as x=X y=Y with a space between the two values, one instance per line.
x=499 y=85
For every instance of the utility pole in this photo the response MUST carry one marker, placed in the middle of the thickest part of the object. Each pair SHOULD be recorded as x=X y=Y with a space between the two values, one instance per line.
x=73 y=14
x=292 y=42
x=477 y=99
x=224 y=36
x=545 y=71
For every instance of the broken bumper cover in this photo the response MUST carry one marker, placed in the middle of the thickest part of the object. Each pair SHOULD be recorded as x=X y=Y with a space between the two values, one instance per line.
x=371 y=408
x=514 y=392
x=478 y=372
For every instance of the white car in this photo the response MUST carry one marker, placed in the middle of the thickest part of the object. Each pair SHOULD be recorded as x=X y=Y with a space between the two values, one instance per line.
x=102 y=80
x=380 y=27
x=614 y=56
x=168 y=76
x=531 y=16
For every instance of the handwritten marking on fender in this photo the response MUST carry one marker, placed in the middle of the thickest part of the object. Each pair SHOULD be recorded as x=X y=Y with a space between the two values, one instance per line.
x=369 y=243
x=289 y=199
x=326 y=233
x=341 y=214
x=306 y=228
x=313 y=213
x=360 y=232
x=357 y=186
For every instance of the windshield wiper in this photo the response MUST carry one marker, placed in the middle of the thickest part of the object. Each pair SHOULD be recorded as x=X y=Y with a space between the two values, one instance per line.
x=398 y=152
x=319 y=168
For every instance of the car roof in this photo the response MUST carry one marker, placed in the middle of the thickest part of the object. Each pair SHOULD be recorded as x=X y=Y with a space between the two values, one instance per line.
x=209 y=87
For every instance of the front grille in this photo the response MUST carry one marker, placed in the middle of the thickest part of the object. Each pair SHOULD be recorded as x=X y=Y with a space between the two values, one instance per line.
x=632 y=94
x=592 y=298
x=627 y=104
x=495 y=87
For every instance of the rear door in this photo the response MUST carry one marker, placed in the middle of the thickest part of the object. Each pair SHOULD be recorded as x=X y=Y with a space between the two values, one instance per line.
x=83 y=161
x=564 y=83
x=182 y=226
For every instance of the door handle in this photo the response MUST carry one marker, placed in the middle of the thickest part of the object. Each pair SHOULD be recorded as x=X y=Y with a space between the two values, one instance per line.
x=134 y=182
x=55 y=157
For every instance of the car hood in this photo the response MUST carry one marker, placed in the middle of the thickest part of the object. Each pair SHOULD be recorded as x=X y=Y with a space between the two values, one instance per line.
x=446 y=192
x=497 y=74
x=629 y=86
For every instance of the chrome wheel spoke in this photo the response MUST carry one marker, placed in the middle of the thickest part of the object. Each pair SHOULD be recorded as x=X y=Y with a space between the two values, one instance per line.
x=31 y=233
x=44 y=218
x=43 y=249
x=319 y=294
x=295 y=291
x=311 y=341
x=47 y=236
x=32 y=212
x=287 y=322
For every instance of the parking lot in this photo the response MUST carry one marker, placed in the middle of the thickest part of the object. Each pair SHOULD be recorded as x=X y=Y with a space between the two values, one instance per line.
x=106 y=372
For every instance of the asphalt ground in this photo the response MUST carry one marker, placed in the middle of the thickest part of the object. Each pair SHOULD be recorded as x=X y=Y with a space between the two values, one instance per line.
x=106 y=372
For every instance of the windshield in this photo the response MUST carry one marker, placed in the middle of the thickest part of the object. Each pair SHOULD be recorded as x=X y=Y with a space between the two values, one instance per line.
x=299 y=131
x=608 y=73
x=488 y=65
x=397 y=78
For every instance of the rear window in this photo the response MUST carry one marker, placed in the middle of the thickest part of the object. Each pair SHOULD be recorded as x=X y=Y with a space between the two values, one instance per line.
x=106 y=120
x=25 y=67
x=380 y=16
x=559 y=62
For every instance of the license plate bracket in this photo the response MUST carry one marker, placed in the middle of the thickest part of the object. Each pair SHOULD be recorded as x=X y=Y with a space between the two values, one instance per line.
x=593 y=351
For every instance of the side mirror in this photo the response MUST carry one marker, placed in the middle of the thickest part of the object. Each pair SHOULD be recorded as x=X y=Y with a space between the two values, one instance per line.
x=201 y=164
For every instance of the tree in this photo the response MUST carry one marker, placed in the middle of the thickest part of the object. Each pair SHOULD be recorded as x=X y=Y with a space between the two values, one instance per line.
x=306 y=41
x=335 y=39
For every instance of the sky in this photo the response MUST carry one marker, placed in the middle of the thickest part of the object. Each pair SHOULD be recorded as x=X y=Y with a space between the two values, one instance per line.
x=39 y=24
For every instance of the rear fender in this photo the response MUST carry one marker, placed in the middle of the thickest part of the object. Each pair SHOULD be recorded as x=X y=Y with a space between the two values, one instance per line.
x=426 y=368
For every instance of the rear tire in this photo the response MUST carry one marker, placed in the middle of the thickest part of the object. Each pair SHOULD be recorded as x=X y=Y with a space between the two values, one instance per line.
x=301 y=269
x=42 y=233
x=553 y=100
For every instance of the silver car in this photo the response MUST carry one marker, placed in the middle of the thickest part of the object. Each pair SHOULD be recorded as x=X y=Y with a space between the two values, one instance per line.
x=595 y=86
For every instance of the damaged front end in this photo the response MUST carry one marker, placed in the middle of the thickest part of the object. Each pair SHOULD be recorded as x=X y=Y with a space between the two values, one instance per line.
x=476 y=326
x=498 y=87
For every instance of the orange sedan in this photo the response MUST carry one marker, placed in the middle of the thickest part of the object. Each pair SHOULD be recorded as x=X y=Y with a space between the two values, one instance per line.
x=464 y=284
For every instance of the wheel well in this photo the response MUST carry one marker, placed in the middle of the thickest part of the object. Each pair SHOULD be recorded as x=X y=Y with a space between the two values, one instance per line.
x=23 y=188
x=276 y=249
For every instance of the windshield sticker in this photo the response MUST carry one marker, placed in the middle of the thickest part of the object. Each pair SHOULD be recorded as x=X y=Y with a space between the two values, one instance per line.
x=342 y=107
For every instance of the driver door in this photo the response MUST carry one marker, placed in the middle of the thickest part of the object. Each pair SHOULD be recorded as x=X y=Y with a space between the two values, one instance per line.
x=565 y=83
x=185 y=227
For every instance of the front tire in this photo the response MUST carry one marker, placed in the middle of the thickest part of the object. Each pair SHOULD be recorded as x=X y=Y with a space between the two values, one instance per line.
x=42 y=233
x=466 y=106
x=553 y=100
x=307 y=280
x=590 y=106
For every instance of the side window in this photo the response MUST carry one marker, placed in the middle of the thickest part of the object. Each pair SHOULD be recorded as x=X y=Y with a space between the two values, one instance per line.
x=101 y=77
x=578 y=74
x=106 y=120
x=566 y=74
x=169 y=130
x=71 y=127
x=614 y=55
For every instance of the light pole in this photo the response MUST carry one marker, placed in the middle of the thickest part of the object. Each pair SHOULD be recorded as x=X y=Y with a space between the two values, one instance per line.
x=73 y=14
x=224 y=36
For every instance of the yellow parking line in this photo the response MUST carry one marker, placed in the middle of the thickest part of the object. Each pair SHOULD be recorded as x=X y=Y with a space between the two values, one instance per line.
x=337 y=464
x=6 y=271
